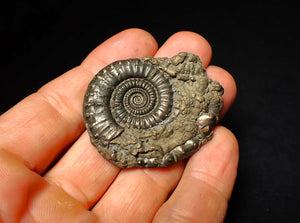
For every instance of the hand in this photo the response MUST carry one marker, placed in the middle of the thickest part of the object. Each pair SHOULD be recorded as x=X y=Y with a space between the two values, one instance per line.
x=50 y=172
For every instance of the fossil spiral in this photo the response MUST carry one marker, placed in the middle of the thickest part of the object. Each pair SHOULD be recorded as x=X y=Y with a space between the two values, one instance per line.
x=151 y=112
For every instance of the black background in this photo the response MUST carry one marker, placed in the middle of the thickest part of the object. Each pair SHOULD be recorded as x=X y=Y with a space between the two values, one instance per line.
x=257 y=43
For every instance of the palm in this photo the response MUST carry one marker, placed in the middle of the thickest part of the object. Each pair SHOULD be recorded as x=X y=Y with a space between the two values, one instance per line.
x=82 y=186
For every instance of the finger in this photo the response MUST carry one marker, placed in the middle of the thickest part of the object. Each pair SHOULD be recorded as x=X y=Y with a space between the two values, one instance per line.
x=131 y=43
x=199 y=46
x=82 y=172
x=26 y=197
x=136 y=195
x=206 y=185
x=186 y=41
x=41 y=126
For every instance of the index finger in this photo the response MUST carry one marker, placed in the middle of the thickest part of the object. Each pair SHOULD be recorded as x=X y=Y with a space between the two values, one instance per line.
x=40 y=127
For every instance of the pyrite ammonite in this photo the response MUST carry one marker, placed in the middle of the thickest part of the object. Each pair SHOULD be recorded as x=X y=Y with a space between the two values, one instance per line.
x=151 y=112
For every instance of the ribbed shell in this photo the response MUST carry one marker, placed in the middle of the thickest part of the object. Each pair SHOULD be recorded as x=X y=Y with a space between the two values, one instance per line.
x=128 y=93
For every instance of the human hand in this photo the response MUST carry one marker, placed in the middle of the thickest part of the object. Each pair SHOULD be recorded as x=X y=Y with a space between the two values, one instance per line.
x=50 y=172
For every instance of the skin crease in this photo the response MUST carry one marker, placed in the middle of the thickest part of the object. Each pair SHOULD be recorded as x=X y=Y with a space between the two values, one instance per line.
x=50 y=172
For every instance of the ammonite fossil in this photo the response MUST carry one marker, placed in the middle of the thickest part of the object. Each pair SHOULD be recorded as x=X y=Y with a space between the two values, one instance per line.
x=151 y=112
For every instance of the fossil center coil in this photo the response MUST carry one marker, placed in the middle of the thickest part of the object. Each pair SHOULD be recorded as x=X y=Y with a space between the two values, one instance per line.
x=141 y=103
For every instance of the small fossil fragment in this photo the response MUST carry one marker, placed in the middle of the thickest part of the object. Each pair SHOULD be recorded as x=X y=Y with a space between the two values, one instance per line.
x=151 y=112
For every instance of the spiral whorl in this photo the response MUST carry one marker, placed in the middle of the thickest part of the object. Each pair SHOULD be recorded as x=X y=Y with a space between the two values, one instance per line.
x=140 y=102
x=134 y=94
